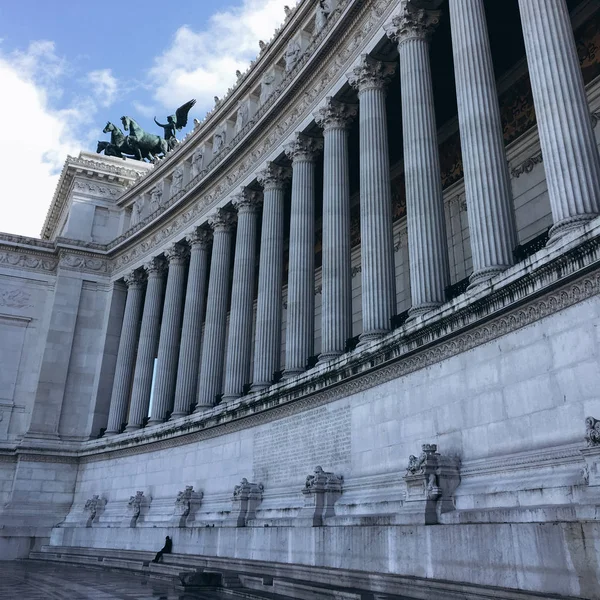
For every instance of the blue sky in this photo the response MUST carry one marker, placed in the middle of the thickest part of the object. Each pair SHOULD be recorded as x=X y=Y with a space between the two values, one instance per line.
x=71 y=66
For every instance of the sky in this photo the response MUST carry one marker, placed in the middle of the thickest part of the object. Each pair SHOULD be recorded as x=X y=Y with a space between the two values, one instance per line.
x=69 y=66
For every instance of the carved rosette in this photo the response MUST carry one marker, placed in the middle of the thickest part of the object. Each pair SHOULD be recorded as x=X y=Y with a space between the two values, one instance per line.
x=156 y=267
x=303 y=148
x=335 y=114
x=412 y=23
x=370 y=74
x=247 y=201
x=177 y=254
x=274 y=176
x=135 y=279
x=222 y=220
x=200 y=237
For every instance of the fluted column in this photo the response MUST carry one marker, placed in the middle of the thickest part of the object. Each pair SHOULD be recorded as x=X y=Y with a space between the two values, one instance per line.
x=213 y=348
x=239 y=343
x=148 y=344
x=130 y=331
x=170 y=335
x=267 y=346
x=300 y=329
x=191 y=331
x=336 y=305
x=427 y=244
x=570 y=153
x=487 y=183
x=370 y=78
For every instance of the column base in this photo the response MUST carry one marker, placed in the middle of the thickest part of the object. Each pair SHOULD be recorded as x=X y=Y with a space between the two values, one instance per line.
x=178 y=416
x=261 y=385
x=132 y=428
x=292 y=373
x=230 y=397
x=110 y=433
x=202 y=407
x=371 y=336
x=327 y=356
x=418 y=311
x=567 y=225
x=154 y=422
x=484 y=275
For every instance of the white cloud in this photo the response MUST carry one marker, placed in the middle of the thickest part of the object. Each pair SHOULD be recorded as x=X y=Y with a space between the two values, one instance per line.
x=39 y=139
x=144 y=109
x=202 y=64
x=104 y=86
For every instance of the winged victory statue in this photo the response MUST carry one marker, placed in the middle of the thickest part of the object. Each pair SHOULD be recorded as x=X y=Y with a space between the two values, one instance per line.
x=176 y=122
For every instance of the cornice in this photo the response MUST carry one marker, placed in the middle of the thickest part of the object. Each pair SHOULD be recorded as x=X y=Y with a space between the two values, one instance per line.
x=544 y=284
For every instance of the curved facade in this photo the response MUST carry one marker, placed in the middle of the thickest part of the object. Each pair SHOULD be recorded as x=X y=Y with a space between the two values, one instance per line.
x=351 y=323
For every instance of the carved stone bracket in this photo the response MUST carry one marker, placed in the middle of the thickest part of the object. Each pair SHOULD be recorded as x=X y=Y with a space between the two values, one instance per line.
x=246 y=498
x=95 y=505
x=321 y=491
x=431 y=480
x=591 y=454
x=186 y=505
x=137 y=505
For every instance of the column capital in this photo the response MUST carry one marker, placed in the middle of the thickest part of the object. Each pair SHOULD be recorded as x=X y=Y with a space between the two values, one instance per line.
x=412 y=23
x=177 y=254
x=200 y=236
x=247 y=201
x=135 y=279
x=303 y=148
x=335 y=114
x=370 y=74
x=274 y=176
x=222 y=220
x=156 y=266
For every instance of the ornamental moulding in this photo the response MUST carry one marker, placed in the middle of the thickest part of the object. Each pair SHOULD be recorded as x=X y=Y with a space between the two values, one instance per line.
x=19 y=260
x=407 y=350
x=371 y=16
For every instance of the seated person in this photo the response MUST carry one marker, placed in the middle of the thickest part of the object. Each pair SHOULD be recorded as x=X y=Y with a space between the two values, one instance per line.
x=166 y=549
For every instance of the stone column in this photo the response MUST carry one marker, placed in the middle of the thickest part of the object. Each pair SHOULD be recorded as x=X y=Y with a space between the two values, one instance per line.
x=130 y=331
x=569 y=149
x=148 y=344
x=370 y=78
x=336 y=308
x=300 y=331
x=426 y=224
x=213 y=348
x=193 y=314
x=170 y=335
x=239 y=344
x=267 y=347
x=487 y=183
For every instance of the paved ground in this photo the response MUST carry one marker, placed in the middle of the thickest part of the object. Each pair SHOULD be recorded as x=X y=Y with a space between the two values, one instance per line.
x=30 y=580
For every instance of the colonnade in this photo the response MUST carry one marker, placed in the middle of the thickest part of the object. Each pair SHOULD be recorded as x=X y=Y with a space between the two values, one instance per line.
x=196 y=369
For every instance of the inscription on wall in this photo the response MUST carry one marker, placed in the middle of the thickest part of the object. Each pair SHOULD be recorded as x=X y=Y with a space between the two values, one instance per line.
x=287 y=451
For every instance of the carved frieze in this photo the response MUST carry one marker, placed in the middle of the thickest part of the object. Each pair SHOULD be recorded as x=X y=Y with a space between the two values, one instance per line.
x=79 y=262
x=21 y=260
